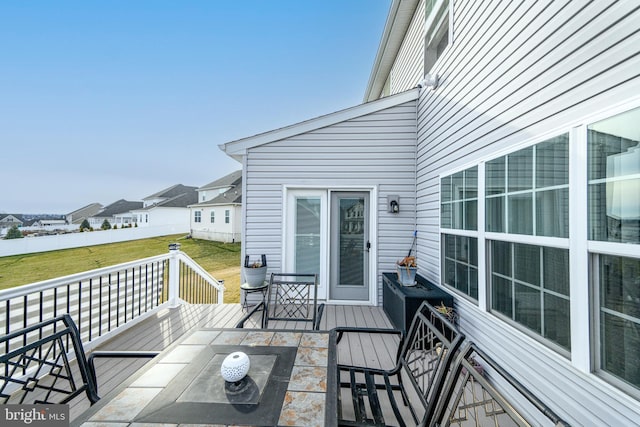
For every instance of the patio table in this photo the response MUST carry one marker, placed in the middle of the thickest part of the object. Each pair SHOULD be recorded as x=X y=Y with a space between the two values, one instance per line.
x=286 y=385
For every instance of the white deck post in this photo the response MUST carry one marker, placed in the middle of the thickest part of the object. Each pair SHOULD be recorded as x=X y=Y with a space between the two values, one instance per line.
x=174 y=275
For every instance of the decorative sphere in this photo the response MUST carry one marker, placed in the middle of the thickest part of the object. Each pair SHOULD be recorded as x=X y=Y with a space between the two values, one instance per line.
x=235 y=367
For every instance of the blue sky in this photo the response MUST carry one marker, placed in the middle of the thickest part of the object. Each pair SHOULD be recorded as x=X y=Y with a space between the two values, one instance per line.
x=103 y=100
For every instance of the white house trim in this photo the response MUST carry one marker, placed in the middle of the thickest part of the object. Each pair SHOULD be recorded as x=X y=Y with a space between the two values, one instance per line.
x=398 y=21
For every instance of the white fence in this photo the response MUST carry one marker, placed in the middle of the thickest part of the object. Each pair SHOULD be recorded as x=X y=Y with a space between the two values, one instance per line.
x=78 y=240
x=103 y=302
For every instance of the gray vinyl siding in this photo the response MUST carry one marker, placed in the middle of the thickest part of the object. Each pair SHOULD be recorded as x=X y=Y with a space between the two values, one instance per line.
x=376 y=150
x=408 y=68
x=516 y=71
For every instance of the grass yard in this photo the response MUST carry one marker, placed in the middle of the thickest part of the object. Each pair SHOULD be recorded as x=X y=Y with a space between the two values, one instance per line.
x=221 y=260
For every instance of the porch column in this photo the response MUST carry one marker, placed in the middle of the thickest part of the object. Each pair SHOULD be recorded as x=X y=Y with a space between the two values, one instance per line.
x=174 y=275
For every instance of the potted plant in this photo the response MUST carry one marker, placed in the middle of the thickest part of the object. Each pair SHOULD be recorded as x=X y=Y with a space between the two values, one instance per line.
x=255 y=272
x=406 y=269
x=448 y=312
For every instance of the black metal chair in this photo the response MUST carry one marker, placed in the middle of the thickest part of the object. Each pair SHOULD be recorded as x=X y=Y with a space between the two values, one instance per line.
x=291 y=298
x=37 y=365
x=404 y=395
x=471 y=397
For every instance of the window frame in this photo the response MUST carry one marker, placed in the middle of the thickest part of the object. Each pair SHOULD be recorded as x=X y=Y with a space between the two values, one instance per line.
x=514 y=323
x=533 y=191
x=438 y=23
x=444 y=232
x=597 y=248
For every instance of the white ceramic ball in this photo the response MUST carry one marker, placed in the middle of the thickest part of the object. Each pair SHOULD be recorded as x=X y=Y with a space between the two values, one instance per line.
x=235 y=367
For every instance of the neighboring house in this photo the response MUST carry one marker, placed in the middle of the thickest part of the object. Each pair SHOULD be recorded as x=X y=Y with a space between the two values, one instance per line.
x=79 y=215
x=117 y=213
x=516 y=161
x=49 y=223
x=9 y=220
x=218 y=216
x=221 y=185
x=167 y=207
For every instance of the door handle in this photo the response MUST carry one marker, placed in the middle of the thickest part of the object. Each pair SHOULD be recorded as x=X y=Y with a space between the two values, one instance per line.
x=368 y=246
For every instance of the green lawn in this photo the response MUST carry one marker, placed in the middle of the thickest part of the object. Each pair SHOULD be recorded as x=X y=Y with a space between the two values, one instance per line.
x=222 y=260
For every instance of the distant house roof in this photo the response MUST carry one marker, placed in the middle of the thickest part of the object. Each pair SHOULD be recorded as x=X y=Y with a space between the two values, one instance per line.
x=170 y=192
x=230 y=197
x=238 y=148
x=88 y=211
x=226 y=181
x=119 y=207
x=11 y=218
x=180 y=201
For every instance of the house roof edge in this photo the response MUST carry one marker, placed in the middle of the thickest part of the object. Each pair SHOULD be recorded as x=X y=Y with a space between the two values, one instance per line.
x=237 y=148
x=398 y=21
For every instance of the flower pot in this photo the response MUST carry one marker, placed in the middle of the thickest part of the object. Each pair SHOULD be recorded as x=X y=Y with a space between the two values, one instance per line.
x=255 y=276
x=406 y=275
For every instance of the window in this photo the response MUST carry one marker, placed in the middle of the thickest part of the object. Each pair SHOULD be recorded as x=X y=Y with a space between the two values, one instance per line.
x=619 y=317
x=197 y=216
x=213 y=217
x=459 y=200
x=527 y=192
x=459 y=211
x=530 y=285
x=528 y=263
x=437 y=29
x=614 y=178
x=613 y=199
x=227 y=218
x=461 y=264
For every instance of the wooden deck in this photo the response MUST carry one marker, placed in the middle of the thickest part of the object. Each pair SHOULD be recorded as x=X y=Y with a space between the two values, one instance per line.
x=159 y=331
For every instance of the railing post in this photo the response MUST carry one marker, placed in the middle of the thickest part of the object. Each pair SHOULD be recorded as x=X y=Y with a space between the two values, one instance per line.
x=174 y=275
x=221 y=293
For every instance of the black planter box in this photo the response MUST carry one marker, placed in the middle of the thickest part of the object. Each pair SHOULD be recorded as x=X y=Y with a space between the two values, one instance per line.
x=401 y=302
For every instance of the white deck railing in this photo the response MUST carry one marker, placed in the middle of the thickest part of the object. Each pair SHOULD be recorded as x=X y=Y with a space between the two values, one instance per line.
x=103 y=302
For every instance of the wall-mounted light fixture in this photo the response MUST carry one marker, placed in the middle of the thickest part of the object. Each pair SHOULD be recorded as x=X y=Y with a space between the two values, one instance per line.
x=393 y=203
x=429 y=80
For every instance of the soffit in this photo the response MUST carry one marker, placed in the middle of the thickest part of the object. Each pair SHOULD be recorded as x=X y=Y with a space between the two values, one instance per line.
x=395 y=29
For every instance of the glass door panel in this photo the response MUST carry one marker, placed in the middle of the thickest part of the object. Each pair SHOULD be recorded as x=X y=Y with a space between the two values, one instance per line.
x=307 y=234
x=349 y=246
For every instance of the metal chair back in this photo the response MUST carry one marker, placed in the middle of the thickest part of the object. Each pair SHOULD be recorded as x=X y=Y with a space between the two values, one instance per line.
x=36 y=365
x=293 y=297
x=480 y=392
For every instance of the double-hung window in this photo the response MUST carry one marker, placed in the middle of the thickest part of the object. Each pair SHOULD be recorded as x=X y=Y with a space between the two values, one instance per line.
x=613 y=172
x=213 y=217
x=227 y=216
x=527 y=194
x=197 y=216
x=458 y=221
